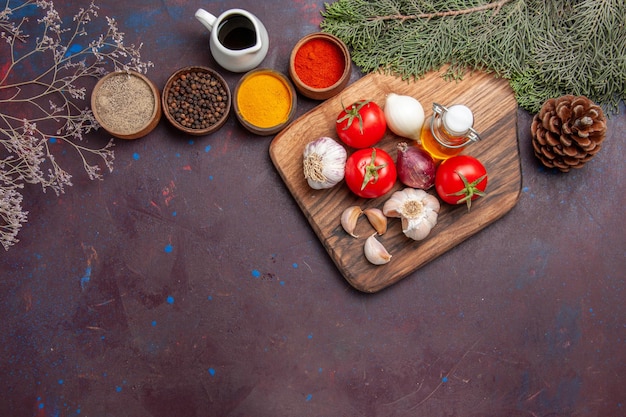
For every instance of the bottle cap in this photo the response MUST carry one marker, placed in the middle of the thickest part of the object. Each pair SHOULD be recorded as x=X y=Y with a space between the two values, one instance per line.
x=458 y=120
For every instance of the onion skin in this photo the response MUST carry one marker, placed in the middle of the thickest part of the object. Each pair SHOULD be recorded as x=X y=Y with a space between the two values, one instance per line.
x=416 y=168
x=405 y=115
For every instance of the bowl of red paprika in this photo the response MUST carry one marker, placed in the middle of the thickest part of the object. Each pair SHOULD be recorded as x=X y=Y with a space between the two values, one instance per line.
x=320 y=65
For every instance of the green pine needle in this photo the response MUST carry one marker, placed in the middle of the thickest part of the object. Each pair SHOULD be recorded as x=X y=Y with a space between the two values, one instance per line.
x=545 y=49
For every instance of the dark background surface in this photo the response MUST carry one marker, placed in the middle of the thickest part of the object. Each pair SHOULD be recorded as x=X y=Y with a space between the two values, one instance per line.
x=188 y=283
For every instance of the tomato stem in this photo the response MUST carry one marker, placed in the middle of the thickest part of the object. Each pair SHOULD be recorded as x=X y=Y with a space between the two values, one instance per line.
x=469 y=190
x=371 y=170
x=353 y=112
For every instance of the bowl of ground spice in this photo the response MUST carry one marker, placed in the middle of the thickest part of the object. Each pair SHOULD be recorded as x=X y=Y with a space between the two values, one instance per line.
x=320 y=65
x=126 y=104
x=196 y=100
x=264 y=101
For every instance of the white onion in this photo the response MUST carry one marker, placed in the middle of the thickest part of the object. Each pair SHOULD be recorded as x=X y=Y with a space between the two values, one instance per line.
x=404 y=116
x=416 y=168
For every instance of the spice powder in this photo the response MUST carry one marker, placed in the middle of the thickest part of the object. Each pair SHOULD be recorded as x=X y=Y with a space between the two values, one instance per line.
x=319 y=63
x=264 y=100
x=125 y=104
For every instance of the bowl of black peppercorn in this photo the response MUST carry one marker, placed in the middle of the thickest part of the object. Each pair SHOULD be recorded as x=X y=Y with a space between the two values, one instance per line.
x=196 y=100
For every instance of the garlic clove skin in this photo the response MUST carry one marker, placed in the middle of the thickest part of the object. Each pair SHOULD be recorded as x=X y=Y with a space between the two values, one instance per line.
x=417 y=210
x=404 y=115
x=375 y=252
x=324 y=163
x=349 y=218
x=418 y=229
x=377 y=219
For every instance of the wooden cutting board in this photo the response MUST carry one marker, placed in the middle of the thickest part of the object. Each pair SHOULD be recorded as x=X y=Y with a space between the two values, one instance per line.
x=495 y=114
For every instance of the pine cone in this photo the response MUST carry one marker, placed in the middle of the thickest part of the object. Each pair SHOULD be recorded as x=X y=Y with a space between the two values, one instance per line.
x=567 y=132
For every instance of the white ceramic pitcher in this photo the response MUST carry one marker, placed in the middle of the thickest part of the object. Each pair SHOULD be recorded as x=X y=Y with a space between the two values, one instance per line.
x=239 y=41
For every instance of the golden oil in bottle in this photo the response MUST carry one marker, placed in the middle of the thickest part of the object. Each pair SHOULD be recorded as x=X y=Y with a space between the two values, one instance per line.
x=448 y=131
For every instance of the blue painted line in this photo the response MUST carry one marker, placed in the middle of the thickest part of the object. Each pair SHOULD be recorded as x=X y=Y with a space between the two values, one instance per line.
x=84 y=281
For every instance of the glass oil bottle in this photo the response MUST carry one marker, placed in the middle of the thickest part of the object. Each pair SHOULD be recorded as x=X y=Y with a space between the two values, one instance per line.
x=448 y=131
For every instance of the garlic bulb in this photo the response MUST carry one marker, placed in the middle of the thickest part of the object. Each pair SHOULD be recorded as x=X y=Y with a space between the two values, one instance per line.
x=324 y=163
x=417 y=209
x=404 y=115
x=375 y=252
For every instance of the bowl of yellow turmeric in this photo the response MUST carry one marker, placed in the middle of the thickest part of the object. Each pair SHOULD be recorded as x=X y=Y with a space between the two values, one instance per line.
x=264 y=101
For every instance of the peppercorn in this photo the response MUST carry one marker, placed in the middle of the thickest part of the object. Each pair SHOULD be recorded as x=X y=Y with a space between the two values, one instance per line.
x=196 y=100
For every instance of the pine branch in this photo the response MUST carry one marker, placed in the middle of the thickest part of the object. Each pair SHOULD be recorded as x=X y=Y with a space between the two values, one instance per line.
x=545 y=49
x=495 y=6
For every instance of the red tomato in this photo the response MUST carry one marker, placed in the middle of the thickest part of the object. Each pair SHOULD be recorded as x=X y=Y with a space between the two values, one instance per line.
x=361 y=125
x=461 y=179
x=370 y=172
